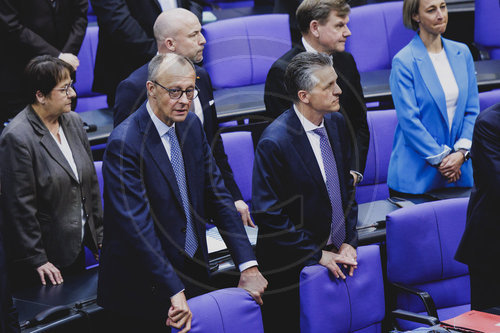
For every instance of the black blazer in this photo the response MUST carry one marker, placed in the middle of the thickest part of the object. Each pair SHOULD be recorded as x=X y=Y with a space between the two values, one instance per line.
x=41 y=198
x=480 y=239
x=352 y=102
x=29 y=28
x=289 y=196
x=126 y=39
x=145 y=224
x=131 y=93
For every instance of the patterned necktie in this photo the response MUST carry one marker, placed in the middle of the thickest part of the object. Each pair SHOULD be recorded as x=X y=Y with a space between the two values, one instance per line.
x=337 y=231
x=191 y=243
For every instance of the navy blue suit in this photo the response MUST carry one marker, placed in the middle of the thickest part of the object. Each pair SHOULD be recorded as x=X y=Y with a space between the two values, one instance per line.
x=142 y=263
x=131 y=93
x=292 y=208
x=479 y=245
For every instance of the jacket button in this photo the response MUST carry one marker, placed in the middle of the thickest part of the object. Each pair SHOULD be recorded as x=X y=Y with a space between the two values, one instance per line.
x=84 y=199
x=183 y=230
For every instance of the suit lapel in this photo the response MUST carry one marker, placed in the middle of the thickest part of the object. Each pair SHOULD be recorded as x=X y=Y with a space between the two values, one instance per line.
x=205 y=102
x=303 y=147
x=154 y=145
x=428 y=73
x=457 y=61
x=77 y=148
x=48 y=143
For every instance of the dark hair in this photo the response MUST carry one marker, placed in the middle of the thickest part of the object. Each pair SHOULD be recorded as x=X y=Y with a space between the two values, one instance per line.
x=410 y=8
x=299 y=72
x=319 y=10
x=43 y=73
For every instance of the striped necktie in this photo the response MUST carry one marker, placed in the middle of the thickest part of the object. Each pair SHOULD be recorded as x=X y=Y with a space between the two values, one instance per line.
x=337 y=231
x=191 y=243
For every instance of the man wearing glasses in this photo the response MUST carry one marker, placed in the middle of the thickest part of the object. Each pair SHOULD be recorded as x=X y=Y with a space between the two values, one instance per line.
x=161 y=186
x=179 y=31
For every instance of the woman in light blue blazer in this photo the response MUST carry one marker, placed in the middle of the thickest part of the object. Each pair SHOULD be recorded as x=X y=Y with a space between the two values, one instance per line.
x=435 y=93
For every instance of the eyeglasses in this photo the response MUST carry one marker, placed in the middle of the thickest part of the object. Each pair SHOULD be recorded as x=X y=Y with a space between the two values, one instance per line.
x=66 y=88
x=176 y=93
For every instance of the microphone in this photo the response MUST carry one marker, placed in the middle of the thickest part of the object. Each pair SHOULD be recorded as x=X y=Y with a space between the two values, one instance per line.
x=89 y=127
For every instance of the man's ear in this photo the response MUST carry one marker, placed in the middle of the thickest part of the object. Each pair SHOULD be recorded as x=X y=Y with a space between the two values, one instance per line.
x=313 y=28
x=151 y=88
x=170 y=44
x=303 y=96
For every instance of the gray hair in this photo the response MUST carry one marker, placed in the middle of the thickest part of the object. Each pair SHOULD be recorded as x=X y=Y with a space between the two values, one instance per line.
x=319 y=10
x=172 y=59
x=299 y=72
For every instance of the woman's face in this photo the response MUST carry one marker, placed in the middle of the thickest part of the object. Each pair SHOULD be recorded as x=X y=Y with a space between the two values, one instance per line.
x=59 y=99
x=432 y=16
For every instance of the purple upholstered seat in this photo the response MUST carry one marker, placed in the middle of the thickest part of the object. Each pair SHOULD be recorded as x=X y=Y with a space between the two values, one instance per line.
x=240 y=51
x=88 y=100
x=487 y=26
x=421 y=244
x=488 y=98
x=225 y=311
x=331 y=305
x=240 y=154
x=382 y=125
x=378 y=34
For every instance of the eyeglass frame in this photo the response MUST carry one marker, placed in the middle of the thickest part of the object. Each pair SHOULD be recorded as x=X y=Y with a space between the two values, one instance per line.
x=170 y=91
x=66 y=89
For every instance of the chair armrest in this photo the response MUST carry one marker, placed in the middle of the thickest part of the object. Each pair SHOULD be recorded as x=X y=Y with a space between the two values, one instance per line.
x=415 y=317
x=484 y=54
x=424 y=296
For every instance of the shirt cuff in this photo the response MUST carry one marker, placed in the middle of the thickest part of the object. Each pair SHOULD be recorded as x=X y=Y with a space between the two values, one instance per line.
x=247 y=264
x=462 y=144
x=436 y=159
x=360 y=176
x=177 y=293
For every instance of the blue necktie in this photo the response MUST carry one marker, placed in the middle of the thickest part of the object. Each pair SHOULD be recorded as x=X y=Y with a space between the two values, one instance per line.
x=191 y=243
x=337 y=231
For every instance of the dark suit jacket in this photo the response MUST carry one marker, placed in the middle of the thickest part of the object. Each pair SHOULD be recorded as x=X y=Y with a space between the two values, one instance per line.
x=480 y=240
x=351 y=101
x=131 y=93
x=29 y=28
x=126 y=39
x=289 y=196
x=145 y=224
x=41 y=196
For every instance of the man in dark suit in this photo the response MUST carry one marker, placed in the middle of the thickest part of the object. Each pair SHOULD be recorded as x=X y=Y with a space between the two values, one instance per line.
x=302 y=192
x=479 y=245
x=179 y=31
x=126 y=40
x=161 y=187
x=31 y=28
x=323 y=24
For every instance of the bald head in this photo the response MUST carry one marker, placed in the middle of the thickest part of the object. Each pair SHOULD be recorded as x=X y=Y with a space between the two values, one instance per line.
x=179 y=31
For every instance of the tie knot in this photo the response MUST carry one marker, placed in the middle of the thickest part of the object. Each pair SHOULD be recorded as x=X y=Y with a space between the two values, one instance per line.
x=171 y=133
x=320 y=131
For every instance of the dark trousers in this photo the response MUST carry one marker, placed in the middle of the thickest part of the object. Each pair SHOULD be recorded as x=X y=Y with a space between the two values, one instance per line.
x=484 y=287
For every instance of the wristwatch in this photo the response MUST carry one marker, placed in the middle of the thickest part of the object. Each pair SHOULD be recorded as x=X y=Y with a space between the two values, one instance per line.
x=466 y=154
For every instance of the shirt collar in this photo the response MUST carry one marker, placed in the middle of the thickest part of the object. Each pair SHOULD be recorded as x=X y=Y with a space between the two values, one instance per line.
x=161 y=127
x=308 y=126
x=308 y=46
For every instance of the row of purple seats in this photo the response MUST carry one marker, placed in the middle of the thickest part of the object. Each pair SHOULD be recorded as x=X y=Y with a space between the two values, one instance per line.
x=487 y=28
x=378 y=34
x=87 y=99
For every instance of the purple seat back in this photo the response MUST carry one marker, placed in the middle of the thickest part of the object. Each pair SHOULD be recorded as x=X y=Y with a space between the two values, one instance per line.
x=382 y=125
x=488 y=98
x=240 y=154
x=240 y=51
x=378 y=34
x=225 y=311
x=487 y=26
x=87 y=99
x=421 y=244
x=333 y=305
